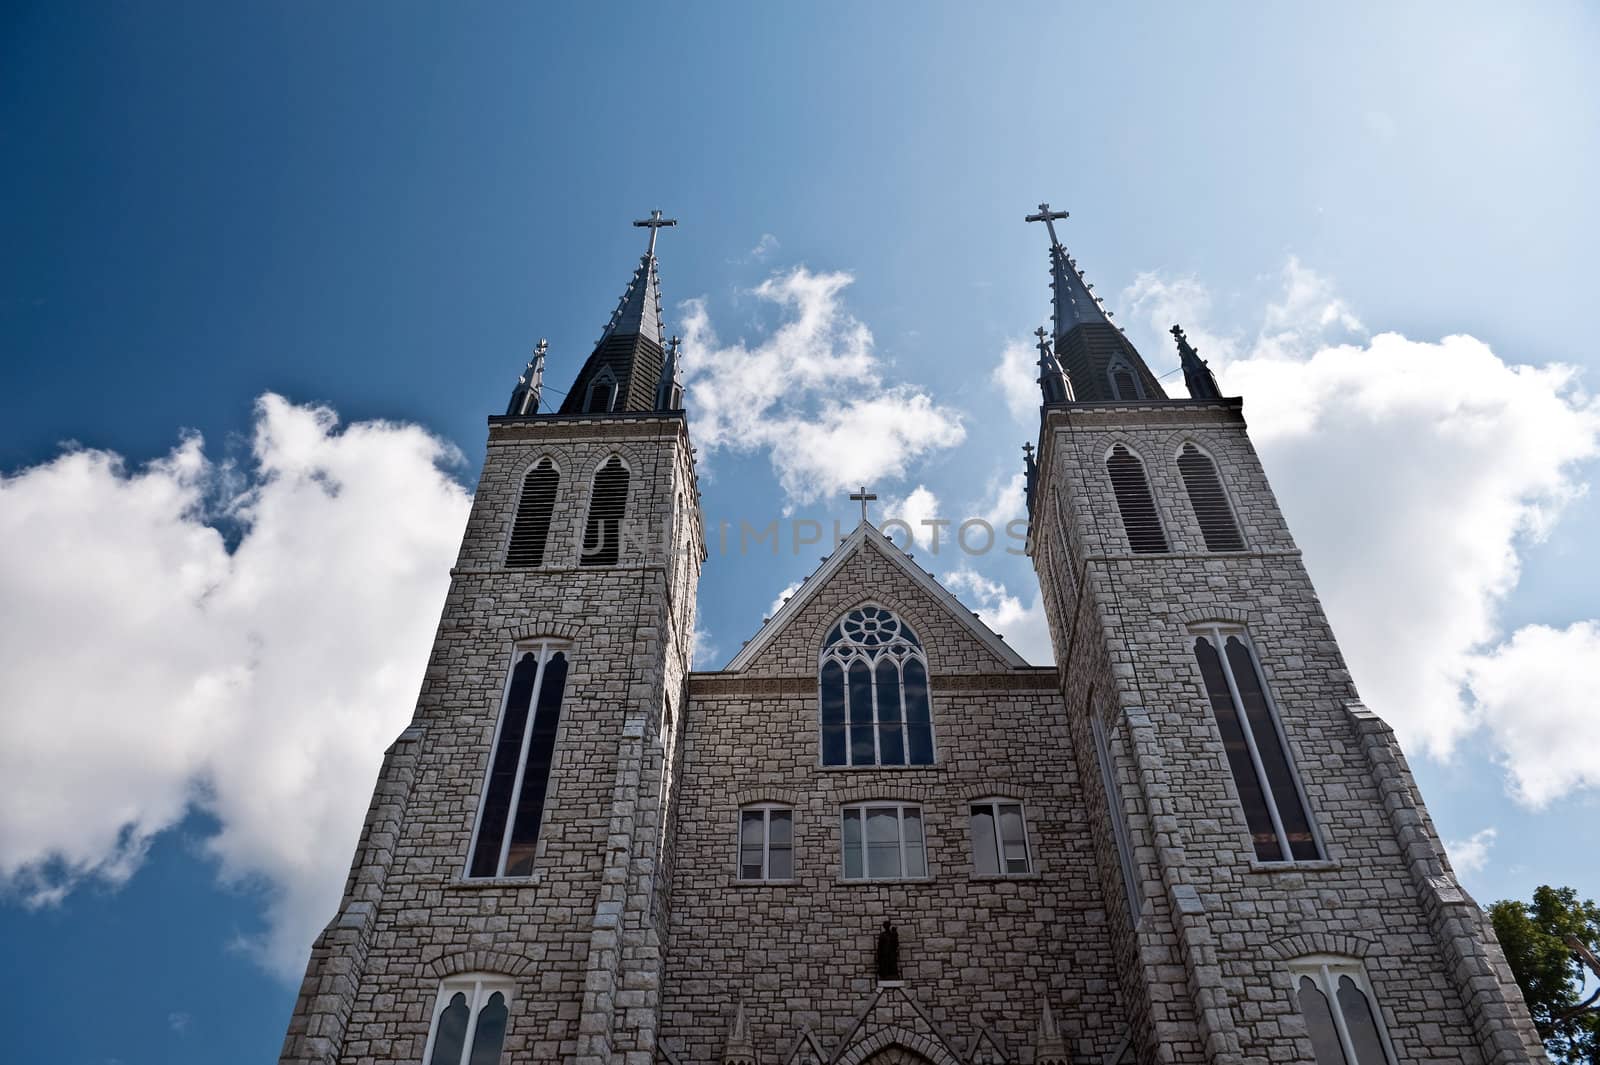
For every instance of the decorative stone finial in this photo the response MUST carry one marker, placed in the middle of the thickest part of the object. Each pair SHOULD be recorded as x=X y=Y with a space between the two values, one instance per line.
x=738 y=1050
x=1197 y=376
x=1049 y=1047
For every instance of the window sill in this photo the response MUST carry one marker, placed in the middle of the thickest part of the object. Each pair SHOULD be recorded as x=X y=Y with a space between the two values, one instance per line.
x=786 y=882
x=1317 y=865
x=485 y=882
x=992 y=877
x=872 y=768
x=872 y=881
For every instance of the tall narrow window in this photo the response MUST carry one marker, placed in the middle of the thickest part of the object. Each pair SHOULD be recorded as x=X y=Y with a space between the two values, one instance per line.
x=1137 y=505
x=1118 y=815
x=469 y=1021
x=531 y=529
x=874 y=692
x=1274 y=808
x=1124 y=383
x=1340 y=1012
x=519 y=768
x=602 y=535
x=1209 y=501
x=883 y=841
x=766 y=842
x=999 y=839
x=602 y=394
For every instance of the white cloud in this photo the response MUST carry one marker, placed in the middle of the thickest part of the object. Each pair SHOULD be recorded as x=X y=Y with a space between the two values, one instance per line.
x=1534 y=693
x=1471 y=855
x=811 y=393
x=1017 y=378
x=1413 y=473
x=702 y=652
x=146 y=669
x=764 y=247
x=783 y=597
x=1023 y=626
x=917 y=508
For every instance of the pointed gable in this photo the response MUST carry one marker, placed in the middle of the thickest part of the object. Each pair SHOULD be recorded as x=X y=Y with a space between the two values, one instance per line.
x=868 y=568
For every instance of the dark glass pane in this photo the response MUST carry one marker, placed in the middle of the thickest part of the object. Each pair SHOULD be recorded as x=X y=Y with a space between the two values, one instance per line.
x=911 y=827
x=503 y=775
x=833 y=638
x=883 y=841
x=780 y=846
x=781 y=831
x=833 y=745
x=1125 y=386
x=450 y=1038
x=602 y=535
x=891 y=749
x=1256 y=815
x=905 y=630
x=536 y=778
x=780 y=863
x=1274 y=758
x=1013 y=838
x=985 y=858
x=919 y=722
x=491 y=1034
x=861 y=748
x=1319 y=1024
x=851 y=836
x=1361 y=1024
x=752 y=840
x=531 y=528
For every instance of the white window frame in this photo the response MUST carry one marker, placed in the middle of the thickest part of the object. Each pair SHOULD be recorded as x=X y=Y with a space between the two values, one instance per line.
x=872 y=657
x=1119 y=824
x=547 y=649
x=994 y=802
x=766 y=809
x=1325 y=970
x=479 y=988
x=900 y=808
x=1218 y=634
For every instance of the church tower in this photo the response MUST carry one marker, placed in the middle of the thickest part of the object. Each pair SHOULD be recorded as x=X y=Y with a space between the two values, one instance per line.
x=1274 y=885
x=508 y=896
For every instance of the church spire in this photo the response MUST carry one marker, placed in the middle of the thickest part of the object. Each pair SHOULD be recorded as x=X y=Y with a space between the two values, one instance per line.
x=1201 y=382
x=626 y=369
x=1102 y=364
x=1053 y=383
x=530 y=386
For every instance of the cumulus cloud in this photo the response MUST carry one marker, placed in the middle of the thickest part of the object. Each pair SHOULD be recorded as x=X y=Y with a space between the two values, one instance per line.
x=147 y=669
x=811 y=393
x=1023 y=625
x=1414 y=473
x=783 y=597
x=1471 y=855
x=1017 y=378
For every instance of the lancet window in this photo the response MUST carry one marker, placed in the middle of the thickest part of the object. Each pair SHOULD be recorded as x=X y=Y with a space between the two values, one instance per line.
x=874 y=692
x=1340 y=1012
x=531 y=529
x=608 y=504
x=469 y=1021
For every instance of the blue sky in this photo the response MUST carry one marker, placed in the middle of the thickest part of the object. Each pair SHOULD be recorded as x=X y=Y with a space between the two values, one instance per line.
x=380 y=208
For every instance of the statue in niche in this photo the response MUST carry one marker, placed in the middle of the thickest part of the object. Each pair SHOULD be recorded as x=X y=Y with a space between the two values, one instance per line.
x=888 y=953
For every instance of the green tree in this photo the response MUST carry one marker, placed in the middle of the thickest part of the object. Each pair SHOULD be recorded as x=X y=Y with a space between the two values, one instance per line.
x=1550 y=945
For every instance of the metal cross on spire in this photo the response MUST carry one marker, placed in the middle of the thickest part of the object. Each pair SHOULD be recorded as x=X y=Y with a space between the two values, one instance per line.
x=1048 y=217
x=654 y=223
x=863 y=497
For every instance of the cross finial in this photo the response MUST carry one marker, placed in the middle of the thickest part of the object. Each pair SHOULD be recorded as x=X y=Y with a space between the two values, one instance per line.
x=1048 y=217
x=672 y=345
x=541 y=348
x=654 y=223
x=863 y=497
x=1027 y=449
x=1041 y=334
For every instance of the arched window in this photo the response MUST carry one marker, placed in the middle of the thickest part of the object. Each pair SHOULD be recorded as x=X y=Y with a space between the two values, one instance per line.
x=1340 y=1011
x=469 y=1021
x=1138 y=506
x=519 y=768
x=602 y=394
x=602 y=535
x=531 y=529
x=1210 y=502
x=874 y=680
x=1124 y=382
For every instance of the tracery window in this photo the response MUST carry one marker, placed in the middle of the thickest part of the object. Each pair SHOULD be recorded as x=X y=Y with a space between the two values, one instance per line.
x=1258 y=757
x=531 y=528
x=608 y=503
x=469 y=1021
x=1341 y=1012
x=766 y=842
x=883 y=841
x=509 y=816
x=874 y=692
x=1140 y=519
x=1210 y=502
x=999 y=838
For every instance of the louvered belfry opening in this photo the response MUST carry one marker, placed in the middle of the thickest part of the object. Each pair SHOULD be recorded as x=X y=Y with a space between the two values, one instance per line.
x=531 y=529
x=1122 y=379
x=602 y=535
x=1134 y=500
x=1210 y=503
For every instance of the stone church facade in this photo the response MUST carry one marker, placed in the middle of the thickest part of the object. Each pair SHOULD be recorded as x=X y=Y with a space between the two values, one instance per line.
x=877 y=834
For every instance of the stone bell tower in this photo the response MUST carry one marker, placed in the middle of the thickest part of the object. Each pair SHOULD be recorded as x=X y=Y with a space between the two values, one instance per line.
x=507 y=900
x=1271 y=874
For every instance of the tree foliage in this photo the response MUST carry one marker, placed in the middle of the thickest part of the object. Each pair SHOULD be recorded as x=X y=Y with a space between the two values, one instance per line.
x=1559 y=989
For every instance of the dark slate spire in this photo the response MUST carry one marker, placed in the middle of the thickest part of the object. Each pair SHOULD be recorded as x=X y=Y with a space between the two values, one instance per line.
x=1102 y=364
x=1053 y=383
x=625 y=370
x=1197 y=375
x=525 y=397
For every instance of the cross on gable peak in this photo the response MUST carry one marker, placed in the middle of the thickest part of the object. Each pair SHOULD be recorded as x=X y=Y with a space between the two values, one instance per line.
x=863 y=497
